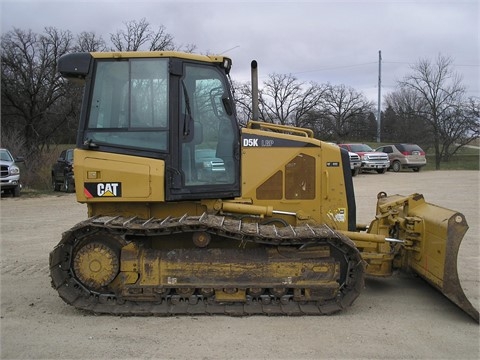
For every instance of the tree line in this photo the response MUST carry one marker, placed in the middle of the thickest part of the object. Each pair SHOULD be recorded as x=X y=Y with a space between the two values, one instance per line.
x=40 y=109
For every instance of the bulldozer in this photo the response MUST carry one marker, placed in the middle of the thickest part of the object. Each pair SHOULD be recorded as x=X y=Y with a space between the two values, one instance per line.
x=191 y=213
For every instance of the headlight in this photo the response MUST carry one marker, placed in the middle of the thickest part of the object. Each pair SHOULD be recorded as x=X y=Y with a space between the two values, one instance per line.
x=14 y=170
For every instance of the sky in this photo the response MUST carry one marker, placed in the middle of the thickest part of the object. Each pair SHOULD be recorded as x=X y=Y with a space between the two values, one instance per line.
x=320 y=41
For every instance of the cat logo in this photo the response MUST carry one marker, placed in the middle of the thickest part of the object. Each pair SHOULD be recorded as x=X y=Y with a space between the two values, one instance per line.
x=110 y=189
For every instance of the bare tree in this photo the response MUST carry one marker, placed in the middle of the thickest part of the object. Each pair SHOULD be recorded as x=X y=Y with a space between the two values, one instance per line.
x=37 y=104
x=188 y=48
x=402 y=122
x=343 y=111
x=88 y=41
x=132 y=37
x=463 y=128
x=442 y=93
x=332 y=112
x=31 y=84
x=139 y=35
x=285 y=100
x=472 y=114
x=242 y=94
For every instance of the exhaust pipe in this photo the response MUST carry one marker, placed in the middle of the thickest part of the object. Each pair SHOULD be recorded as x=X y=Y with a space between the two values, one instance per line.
x=255 y=105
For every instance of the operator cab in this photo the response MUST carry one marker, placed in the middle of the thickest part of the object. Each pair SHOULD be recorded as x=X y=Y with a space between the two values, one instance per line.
x=164 y=105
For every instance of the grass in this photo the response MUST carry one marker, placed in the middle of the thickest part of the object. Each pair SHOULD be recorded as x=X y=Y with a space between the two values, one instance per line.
x=465 y=159
x=458 y=162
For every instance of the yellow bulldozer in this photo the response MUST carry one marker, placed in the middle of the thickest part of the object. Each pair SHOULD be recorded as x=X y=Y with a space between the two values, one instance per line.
x=190 y=214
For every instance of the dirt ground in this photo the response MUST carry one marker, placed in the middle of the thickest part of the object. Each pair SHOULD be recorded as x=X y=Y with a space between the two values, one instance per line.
x=396 y=318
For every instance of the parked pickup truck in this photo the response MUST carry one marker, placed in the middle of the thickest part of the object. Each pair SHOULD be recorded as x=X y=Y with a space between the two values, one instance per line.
x=371 y=160
x=10 y=173
x=62 y=172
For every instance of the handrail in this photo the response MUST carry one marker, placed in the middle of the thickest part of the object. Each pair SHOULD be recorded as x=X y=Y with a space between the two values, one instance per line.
x=285 y=129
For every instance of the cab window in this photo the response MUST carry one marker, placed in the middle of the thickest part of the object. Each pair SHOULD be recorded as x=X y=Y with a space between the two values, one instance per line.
x=129 y=106
x=207 y=128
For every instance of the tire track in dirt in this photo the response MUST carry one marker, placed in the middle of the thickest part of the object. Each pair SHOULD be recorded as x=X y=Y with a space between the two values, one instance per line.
x=18 y=268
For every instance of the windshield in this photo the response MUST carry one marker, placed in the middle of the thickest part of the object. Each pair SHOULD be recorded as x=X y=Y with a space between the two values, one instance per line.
x=69 y=155
x=129 y=105
x=5 y=155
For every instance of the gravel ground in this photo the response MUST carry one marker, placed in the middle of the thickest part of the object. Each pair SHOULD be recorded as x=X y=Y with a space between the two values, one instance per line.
x=395 y=318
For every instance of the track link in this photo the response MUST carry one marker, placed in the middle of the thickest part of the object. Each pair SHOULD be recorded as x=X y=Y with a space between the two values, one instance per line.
x=73 y=292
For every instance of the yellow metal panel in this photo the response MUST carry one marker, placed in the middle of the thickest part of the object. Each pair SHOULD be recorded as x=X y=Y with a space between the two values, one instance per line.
x=266 y=167
x=118 y=177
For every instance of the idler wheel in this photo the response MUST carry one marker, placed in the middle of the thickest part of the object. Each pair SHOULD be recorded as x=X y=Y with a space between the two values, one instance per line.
x=96 y=265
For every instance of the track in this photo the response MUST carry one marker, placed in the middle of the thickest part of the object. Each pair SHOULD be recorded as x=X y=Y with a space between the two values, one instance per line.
x=171 y=302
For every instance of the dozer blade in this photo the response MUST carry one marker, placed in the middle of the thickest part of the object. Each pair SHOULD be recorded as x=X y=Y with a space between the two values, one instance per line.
x=436 y=234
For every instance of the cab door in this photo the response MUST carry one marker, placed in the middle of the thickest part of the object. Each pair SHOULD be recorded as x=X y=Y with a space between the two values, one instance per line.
x=206 y=136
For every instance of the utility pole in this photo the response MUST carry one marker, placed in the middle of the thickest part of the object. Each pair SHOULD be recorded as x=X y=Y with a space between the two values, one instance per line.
x=379 y=113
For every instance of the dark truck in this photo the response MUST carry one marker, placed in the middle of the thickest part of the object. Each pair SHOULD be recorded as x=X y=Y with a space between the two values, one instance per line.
x=62 y=172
